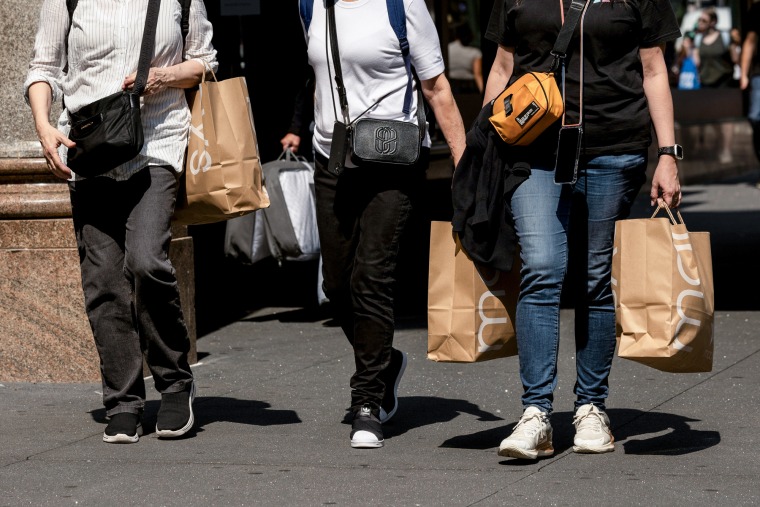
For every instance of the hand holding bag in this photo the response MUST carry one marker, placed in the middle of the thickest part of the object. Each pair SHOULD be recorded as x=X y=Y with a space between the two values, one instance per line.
x=662 y=282
x=471 y=309
x=108 y=132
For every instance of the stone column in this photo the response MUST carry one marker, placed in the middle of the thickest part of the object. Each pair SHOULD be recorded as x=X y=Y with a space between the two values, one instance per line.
x=44 y=332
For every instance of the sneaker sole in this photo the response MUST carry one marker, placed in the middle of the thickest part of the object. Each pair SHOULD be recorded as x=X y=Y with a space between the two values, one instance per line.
x=587 y=449
x=385 y=416
x=367 y=445
x=184 y=429
x=123 y=438
x=516 y=452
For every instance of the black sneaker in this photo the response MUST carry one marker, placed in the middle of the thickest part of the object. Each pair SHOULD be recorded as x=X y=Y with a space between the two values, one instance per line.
x=392 y=376
x=175 y=417
x=123 y=428
x=366 y=430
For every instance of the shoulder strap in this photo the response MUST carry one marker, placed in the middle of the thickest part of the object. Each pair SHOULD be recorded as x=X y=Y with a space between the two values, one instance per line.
x=306 y=7
x=397 y=17
x=566 y=32
x=71 y=5
x=185 y=21
x=147 y=47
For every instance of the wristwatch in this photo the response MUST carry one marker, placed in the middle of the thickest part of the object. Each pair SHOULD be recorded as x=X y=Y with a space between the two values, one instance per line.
x=676 y=151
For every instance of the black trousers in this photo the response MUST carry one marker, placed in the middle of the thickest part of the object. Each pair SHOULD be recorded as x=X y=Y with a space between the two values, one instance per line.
x=362 y=216
x=130 y=288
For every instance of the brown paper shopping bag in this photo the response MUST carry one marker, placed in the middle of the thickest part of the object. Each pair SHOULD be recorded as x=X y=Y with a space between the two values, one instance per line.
x=663 y=286
x=223 y=176
x=471 y=310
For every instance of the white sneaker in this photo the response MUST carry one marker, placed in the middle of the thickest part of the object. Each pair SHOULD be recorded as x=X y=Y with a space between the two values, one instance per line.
x=592 y=431
x=531 y=437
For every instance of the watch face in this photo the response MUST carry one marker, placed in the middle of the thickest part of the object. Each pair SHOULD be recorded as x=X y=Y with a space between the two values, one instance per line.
x=678 y=151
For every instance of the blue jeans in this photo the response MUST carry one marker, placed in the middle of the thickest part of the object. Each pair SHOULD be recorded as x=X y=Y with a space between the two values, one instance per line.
x=565 y=229
x=753 y=113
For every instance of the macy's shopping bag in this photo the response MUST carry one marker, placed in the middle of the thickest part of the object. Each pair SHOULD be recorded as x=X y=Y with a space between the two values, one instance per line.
x=223 y=176
x=662 y=281
x=471 y=310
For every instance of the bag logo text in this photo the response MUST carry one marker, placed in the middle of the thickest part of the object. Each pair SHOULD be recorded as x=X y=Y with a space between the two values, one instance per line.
x=489 y=321
x=199 y=160
x=527 y=113
x=695 y=282
x=386 y=140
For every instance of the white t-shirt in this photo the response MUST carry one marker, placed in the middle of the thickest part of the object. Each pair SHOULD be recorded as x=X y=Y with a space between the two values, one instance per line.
x=371 y=62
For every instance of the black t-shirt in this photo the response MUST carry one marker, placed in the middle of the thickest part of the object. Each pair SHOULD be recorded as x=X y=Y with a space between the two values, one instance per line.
x=615 y=113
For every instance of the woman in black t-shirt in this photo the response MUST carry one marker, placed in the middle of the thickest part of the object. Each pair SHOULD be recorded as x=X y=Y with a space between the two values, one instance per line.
x=625 y=92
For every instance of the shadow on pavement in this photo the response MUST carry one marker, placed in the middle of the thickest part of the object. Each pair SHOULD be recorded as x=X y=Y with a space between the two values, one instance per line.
x=671 y=434
x=417 y=411
x=211 y=409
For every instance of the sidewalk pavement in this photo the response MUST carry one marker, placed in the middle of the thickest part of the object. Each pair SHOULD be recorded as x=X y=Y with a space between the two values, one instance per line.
x=273 y=388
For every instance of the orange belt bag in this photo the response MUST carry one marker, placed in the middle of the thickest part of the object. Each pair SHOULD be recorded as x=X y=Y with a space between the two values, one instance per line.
x=527 y=107
x=533 y=102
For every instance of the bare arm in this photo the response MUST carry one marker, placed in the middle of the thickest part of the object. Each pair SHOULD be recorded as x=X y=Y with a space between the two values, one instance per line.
x=437 y=92
x=40 y=100
x=477 y=72
x=184 y=75
x=501 y=71
x=748 y=51
x=665 y=183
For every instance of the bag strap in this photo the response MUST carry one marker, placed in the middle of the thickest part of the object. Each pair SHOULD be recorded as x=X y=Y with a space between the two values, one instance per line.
x=333 y=37
x=306 y=8
x=559 y=51
x=147 y=47
x=576 y=13
x=185 y=20
x=397 y=17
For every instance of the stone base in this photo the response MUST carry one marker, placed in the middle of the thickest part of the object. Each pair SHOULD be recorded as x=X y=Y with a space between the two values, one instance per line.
x=44 y=333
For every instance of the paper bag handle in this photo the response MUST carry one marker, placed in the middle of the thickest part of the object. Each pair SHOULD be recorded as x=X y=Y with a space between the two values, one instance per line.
x=670 y=214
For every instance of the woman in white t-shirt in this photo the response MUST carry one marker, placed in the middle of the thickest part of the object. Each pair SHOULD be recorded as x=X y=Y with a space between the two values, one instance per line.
x=363 y=213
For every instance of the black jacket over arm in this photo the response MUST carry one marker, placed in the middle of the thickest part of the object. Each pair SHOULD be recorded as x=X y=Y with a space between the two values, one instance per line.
x=482 y=184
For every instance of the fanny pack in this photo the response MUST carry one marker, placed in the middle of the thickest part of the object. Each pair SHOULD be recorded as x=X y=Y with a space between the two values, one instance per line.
x=527 y=107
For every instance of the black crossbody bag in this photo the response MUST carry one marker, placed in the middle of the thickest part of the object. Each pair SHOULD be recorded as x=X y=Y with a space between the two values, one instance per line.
x=108 y=132
x=371 y=142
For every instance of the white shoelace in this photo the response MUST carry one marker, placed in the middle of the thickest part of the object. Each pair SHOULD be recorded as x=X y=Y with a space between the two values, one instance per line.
x=590 y=420
x=529 y=425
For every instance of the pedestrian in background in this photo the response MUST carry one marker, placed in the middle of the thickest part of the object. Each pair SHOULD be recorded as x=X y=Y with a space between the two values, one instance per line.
x=465 y=62
x=716 y=53
x=363 y=213
x=750 y=74
x=122 y=218
x=568 y=229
